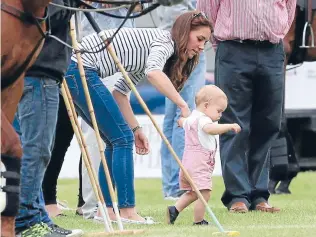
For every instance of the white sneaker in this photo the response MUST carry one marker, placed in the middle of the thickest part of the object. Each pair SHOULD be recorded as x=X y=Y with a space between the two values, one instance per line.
x=62 y=205
x=148 y=221
x=170 y=198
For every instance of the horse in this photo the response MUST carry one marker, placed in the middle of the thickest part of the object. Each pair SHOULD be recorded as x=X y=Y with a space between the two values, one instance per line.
x=284 y=161
x=23 y=27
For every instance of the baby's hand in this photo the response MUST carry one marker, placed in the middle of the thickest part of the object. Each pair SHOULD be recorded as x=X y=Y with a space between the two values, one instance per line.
x=180 y=121
x=236 y=128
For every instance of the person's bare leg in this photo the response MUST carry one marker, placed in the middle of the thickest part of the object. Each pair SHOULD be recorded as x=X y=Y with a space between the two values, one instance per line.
x=185 y=200
x=199 y=207
x=131 y=214
x=111 y=213
x=53 y=210
x=126 y=213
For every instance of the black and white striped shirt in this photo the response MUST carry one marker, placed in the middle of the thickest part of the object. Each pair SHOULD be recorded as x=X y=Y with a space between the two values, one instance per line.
x=139 y=50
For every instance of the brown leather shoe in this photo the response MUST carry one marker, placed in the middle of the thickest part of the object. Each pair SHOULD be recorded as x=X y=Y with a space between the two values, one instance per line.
x=265 y=207
x=238 y=207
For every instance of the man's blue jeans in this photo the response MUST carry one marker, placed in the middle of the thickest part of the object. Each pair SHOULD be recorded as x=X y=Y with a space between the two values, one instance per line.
x=175 y=134
x=114 y=131
x=35 y=122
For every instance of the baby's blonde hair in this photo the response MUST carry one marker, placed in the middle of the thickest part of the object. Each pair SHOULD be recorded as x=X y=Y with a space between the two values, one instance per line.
x=208 y=93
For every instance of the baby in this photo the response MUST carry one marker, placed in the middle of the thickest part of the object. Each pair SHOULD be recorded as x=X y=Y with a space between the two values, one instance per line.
x=199 y=151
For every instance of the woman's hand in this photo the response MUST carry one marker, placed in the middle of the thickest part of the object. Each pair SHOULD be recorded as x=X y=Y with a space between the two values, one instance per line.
x=163 y=84
x=185 y=110
x=141 y=142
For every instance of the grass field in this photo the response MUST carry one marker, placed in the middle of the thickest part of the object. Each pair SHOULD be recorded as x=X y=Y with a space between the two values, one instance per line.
x=296 y=219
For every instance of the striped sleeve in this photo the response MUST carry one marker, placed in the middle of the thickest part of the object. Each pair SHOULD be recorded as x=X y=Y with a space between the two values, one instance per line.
x=122 y=86
x=159 y=52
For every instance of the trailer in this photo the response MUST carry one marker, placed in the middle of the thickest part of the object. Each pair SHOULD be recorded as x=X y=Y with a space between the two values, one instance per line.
x=300 y=112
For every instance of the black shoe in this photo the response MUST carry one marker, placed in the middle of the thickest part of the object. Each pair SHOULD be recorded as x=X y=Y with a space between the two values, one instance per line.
x=204 y=222
x=283 y=187
x=172 y=214
x=282 y=191
x=272 y=186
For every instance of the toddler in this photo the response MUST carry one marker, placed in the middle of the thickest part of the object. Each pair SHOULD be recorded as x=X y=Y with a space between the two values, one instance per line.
x=200 y=148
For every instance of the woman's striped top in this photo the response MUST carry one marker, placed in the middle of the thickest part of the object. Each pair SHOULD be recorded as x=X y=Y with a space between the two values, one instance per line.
x=140 y=50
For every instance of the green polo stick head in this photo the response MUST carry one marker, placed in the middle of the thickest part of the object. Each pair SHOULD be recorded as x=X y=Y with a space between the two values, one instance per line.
x=227 y=233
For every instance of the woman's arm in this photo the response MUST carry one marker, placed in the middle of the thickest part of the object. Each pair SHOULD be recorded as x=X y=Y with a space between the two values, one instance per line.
x=160 y=80
x=125 y=108
x=141 y=141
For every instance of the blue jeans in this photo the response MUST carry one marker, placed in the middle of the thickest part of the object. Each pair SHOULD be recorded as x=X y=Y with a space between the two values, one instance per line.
x=35 y=122
x=114 y=131
x=175 y=134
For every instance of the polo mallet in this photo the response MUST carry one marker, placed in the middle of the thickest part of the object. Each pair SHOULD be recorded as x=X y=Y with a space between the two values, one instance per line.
x=86 y=158
x=94 y=181
x=139 y=98
x=95 y=125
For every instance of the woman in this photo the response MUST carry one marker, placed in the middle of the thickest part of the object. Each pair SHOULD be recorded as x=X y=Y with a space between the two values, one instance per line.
x=64 y=134
x=166 y=59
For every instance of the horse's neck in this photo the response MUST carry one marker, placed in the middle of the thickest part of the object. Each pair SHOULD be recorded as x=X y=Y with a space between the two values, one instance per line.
x=37 y=7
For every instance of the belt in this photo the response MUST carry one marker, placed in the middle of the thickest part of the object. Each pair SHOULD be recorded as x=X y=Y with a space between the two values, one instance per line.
x=253 y=42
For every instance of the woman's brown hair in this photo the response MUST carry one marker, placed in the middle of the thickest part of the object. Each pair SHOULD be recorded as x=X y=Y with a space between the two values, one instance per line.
x=179 y=66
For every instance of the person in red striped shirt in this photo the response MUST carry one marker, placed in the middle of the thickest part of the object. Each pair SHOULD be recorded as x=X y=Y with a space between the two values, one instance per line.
x=249 y=68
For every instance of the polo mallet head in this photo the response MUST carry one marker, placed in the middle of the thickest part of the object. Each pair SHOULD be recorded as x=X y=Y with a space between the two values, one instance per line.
x=227 y=233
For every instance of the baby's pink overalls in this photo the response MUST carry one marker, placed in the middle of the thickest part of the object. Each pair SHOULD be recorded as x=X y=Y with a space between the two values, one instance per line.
x=198 y=160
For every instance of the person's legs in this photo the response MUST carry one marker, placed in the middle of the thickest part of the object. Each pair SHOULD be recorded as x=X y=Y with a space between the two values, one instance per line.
x=166 y=158
x=184 y=201
x=199 y=207
x=63 y=136
x=266 y=117
x=191 y=87
x=37 y=117
x=235 y=65
x=90 y=206
x=115 y=131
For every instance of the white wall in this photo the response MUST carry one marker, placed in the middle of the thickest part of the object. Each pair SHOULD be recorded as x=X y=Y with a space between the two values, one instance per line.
x=148 y=166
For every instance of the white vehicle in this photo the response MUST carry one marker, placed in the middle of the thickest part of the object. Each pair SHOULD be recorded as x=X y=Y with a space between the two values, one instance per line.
x=300 y=110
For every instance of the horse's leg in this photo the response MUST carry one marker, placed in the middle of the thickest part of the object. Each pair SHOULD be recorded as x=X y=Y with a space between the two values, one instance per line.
x=10 y=147
x=10 y=98
x=11 y=154
x=311 y=52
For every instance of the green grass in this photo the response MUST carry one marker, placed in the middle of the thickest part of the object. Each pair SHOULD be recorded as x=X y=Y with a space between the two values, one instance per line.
x=296 y=219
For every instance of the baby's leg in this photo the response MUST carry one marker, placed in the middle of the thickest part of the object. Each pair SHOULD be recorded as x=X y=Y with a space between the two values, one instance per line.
x=199 y=208
x=185 y=200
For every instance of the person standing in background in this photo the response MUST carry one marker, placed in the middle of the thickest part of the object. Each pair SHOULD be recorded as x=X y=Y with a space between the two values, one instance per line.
x=249 y=68
x=174 y=133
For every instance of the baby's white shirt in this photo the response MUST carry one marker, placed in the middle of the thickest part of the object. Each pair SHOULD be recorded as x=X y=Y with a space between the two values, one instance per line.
x=206 y=140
